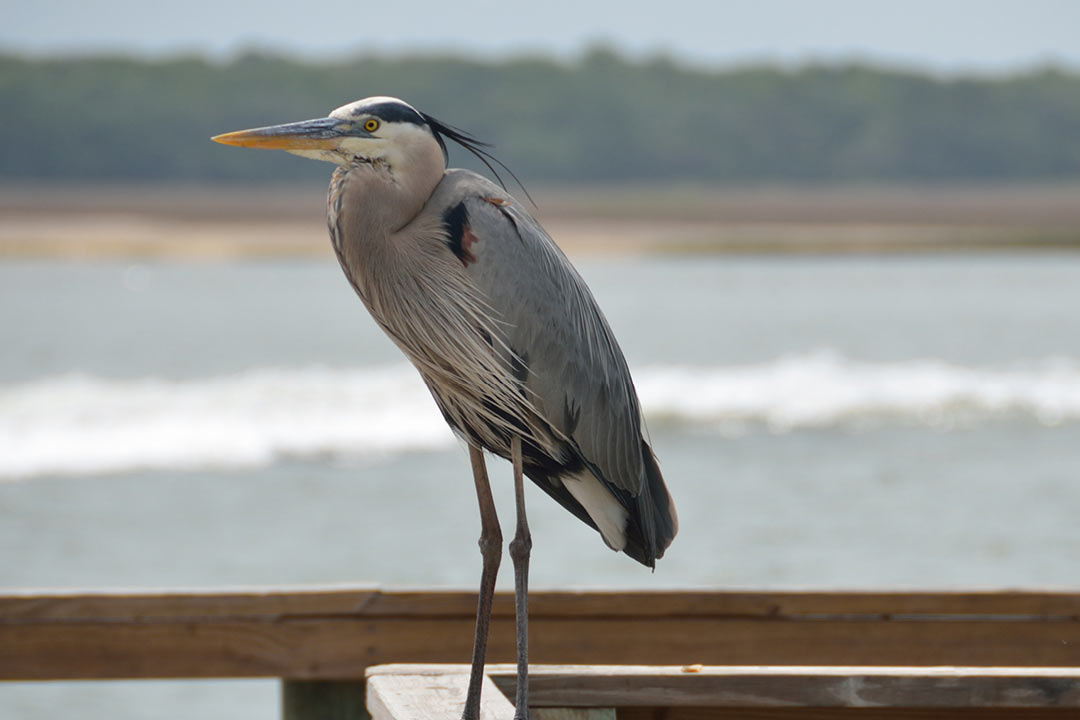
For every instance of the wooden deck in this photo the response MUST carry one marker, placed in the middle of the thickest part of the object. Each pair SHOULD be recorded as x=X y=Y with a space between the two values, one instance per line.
x=793 y=647
x=328 y=634
x=437 y=692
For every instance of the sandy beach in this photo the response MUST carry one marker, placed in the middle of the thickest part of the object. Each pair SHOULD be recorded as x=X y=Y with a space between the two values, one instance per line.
x=219 y=223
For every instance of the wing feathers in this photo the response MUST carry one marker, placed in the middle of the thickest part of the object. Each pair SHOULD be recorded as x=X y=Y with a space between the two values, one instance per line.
x=576 y=379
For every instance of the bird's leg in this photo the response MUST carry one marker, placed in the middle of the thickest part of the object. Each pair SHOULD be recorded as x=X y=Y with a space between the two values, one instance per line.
x=520 y=548
x=491 y=551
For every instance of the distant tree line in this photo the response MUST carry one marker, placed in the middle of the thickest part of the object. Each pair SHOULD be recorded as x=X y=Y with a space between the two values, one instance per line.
x=602 y=118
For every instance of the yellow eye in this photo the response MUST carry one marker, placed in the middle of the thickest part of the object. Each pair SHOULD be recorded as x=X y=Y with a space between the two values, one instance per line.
x=371 y=124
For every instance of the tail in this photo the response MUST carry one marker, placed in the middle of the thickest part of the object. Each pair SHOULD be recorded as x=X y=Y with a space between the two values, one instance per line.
x=642 y=526
x=652 y=523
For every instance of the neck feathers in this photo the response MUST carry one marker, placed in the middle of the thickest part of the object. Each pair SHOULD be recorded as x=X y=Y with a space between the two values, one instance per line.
x=373 y=210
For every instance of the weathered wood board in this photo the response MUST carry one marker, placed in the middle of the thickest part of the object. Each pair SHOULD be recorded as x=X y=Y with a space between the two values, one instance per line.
x=415 y=692
x=431 y=696
x=330 y=634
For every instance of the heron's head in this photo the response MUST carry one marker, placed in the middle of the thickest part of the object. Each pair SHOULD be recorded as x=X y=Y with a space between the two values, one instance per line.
x=381 y=130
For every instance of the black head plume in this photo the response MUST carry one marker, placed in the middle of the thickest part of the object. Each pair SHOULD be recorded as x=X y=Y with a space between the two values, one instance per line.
x=476 y=147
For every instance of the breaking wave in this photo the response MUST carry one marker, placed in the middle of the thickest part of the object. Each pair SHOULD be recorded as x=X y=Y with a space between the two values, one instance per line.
x=75 y=424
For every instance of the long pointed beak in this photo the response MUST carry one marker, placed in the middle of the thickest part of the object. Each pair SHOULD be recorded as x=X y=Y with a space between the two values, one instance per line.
x=321 y=134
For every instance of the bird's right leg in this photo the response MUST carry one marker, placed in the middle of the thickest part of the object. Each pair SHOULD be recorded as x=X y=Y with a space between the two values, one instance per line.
x=520 y=548
x=491 y=551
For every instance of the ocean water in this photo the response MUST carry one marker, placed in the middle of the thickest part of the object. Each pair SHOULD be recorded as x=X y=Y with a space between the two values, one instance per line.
x=828 y=422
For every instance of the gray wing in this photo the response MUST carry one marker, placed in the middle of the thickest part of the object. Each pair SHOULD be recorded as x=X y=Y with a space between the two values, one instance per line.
x=566 y=354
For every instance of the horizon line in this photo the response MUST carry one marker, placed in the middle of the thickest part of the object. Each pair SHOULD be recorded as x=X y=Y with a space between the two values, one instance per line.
x=806 y=60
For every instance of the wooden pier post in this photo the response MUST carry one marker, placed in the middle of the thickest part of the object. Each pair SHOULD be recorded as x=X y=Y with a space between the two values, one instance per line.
x=323 y=700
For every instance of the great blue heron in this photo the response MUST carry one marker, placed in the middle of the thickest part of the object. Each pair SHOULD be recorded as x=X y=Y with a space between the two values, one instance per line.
x=503 y=330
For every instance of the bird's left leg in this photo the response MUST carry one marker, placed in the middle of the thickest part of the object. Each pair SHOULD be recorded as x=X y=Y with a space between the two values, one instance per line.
x=520 y=548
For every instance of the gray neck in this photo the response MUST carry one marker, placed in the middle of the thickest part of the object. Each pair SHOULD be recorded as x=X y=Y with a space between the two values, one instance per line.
x=368 y=205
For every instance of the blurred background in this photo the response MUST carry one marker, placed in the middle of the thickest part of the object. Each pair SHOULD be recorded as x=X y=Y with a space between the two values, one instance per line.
x=837 y=241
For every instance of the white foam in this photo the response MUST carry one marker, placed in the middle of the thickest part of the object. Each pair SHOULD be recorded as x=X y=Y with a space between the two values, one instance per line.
x=823 y=389
x=76 y=424
x=84 y=425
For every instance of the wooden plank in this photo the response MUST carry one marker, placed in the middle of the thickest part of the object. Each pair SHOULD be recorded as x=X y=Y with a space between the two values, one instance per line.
x=372 y=602
x=420 y=679
x=777 y=686
x=790 y=713
x=572 y=714
x=810 y=686
x=431 y=697
x=763 y=605
x=342 y=648
x=333 y=634
x=224 y=604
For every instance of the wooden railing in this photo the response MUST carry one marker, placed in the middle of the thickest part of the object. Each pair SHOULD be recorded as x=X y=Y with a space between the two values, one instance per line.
x=316 y=638
x=771 y=692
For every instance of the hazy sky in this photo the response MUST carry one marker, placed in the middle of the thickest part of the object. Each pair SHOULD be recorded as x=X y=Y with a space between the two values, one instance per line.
x=943 y=35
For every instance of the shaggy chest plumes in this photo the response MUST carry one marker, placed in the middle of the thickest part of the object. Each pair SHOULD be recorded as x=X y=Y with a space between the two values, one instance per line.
x=419 y=292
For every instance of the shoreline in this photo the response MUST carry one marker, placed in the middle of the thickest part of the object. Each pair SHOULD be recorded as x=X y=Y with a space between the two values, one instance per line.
x=230 y=223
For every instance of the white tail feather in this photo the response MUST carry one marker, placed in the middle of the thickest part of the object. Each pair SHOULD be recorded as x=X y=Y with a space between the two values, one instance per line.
x=610 y=516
